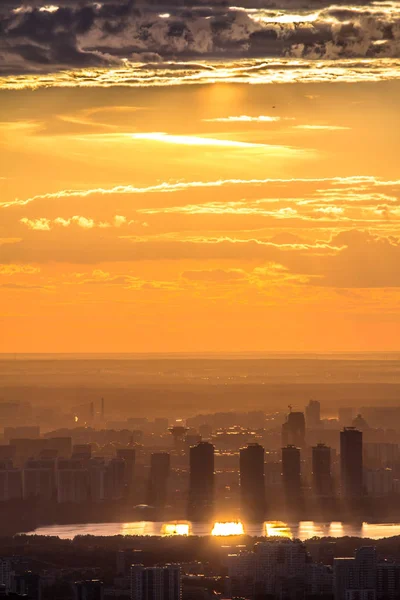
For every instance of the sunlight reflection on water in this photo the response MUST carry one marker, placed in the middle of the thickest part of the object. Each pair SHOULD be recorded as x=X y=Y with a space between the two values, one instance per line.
x=303 y=530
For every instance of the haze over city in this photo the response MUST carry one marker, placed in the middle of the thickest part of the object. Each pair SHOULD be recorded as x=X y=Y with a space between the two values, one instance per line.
x=199 y=291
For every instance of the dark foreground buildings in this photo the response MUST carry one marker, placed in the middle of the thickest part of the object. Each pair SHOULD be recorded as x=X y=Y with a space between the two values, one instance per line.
x=88 y=590
x=156 y=583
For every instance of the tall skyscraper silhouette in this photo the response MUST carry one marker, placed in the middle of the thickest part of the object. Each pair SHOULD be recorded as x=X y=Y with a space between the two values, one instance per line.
x=157 y=492
x=291 y=474
x=129 y=456
x=201 y=481
x=351 y=462
x=115 y=479
x=321 y=470
x=313 y=413
x=252 y=484
x=294 y=430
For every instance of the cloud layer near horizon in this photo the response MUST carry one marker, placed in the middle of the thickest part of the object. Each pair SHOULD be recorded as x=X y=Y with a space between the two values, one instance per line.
x=43 y=37
x=346 y=231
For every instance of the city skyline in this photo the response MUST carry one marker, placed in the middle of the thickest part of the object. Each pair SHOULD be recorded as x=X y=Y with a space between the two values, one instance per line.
x=199 y=292
x=204 y=469
x=260 y=517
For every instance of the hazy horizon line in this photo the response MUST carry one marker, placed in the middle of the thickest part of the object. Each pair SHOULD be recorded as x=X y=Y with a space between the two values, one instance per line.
x=202 y=354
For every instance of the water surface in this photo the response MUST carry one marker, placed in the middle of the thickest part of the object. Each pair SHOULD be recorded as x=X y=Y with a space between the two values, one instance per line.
x=303 y=530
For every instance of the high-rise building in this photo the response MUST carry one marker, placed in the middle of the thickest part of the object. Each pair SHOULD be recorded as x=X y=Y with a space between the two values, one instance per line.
x=10 y=481
x=360 y=423
x=114 y=482
x=273 y=476
x=157 y=491
x=82 y=451
x=121 y=562
x=313 y=414
x=358 y=574
x=39 y=479
x=96 y=474
x=27 y=584
x=388 y=580
x=27 y=448
x=252 y=482
x=366 y=564
x=351 y=462
x=294 y=430
x=156 y=583
x=72 y=482
x=5 y=573
x=321 y=470
x=93 y=589
x=319 y=580
x=276 y=568
x=241 y=575
x=378 y=455
x=129 y=456
x=63 y=446
x=360 y=595
x=291 y=473
x=378 y=482
x=201 y=480
x=7 y=453
x=344 y=577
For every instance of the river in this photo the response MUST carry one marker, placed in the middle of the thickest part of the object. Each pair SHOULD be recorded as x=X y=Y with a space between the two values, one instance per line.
x=302 y=530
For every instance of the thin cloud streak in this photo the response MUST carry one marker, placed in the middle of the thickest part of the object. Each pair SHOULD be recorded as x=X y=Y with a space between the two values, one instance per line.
x=322 y=127
x=168 y=187
x=243 y=119
x=193 y=140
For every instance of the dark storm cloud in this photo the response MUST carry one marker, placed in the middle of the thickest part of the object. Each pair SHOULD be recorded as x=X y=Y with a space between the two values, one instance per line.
x=39 y=36
x=272 y=4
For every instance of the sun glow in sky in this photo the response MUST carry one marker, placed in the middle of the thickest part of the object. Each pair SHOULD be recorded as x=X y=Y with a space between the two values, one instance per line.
x=182 y=186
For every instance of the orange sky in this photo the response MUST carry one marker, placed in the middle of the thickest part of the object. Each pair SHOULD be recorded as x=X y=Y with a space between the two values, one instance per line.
x=200 y=218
